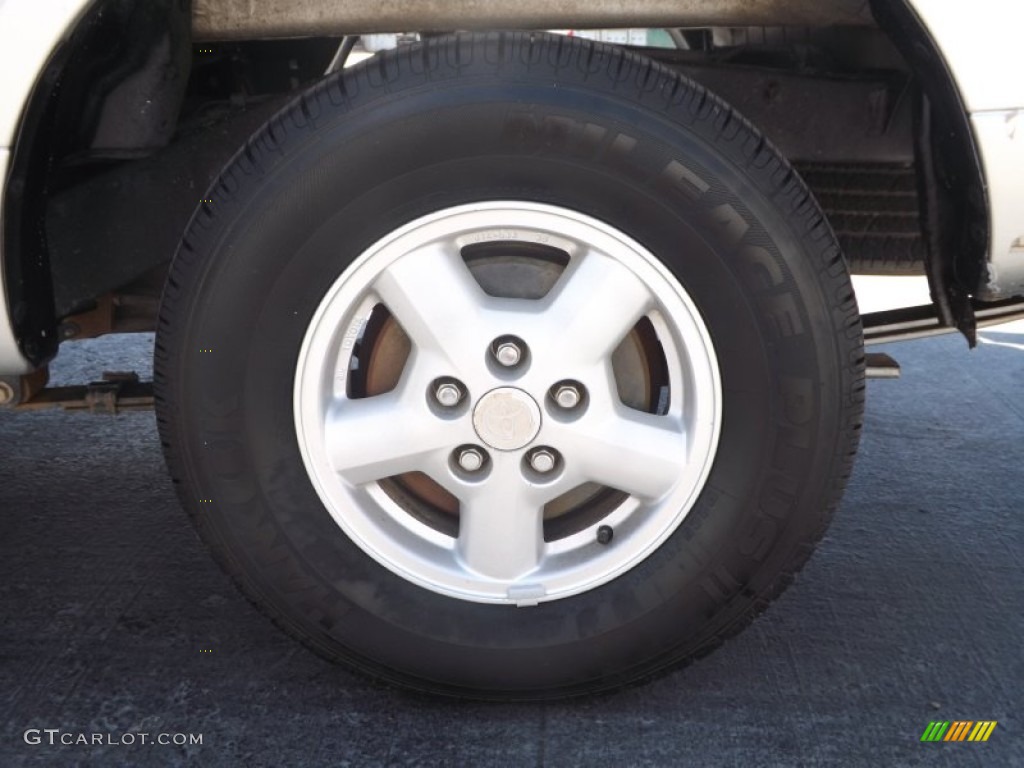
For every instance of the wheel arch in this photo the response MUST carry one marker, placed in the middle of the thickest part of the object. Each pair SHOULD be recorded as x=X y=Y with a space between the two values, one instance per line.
x=951 y=179
x=89 y=75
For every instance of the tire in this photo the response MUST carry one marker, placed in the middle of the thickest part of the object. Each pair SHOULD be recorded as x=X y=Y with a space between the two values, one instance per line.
x=565 y=153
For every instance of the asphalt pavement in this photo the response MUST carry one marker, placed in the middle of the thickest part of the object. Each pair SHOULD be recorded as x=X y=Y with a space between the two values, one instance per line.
x=116 y=621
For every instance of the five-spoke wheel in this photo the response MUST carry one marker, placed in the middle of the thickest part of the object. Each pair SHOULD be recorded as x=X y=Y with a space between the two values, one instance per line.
x=501 y=436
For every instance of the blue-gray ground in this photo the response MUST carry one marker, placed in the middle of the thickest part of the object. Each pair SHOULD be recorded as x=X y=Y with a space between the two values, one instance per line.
x=912 y=610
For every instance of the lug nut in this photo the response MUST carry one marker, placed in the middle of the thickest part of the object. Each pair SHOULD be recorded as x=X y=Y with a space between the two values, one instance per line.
x=542 y=460
x=568 y=396
x=508 y=353
x=448 y=394
x=471 y=459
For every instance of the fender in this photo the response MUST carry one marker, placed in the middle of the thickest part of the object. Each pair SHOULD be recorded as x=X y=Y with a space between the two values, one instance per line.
x=980 y=43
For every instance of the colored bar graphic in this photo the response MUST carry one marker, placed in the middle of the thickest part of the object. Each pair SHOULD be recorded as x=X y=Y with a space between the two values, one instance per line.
x=959 y=730
x=935 y=731
x=985 y=730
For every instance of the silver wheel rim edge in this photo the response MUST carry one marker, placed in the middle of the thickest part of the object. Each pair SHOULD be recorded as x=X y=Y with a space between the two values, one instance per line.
x=606 y=264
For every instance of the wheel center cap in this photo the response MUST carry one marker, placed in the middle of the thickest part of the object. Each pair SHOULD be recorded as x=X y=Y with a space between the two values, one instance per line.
x=506 y=418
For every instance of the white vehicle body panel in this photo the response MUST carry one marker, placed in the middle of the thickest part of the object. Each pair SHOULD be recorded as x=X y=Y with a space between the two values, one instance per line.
x=29 y=33
x=1000 y=137
x=979 y=41
x=11 y=360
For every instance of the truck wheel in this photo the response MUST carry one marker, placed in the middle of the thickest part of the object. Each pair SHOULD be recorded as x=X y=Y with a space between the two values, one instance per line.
x=510 y=366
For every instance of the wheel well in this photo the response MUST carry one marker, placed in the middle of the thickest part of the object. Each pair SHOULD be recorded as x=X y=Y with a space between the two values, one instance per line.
x=133 y=122
x=110 y=93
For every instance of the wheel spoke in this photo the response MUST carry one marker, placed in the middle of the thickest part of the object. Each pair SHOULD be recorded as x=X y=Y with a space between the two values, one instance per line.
x=639 y=453
x=501 y=524
x=596 y=302
x=377 y=437
x=435 y=299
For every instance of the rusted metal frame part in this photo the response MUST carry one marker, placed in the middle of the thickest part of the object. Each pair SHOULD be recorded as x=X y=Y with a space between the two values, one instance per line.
x=254 y=19
x=113 y=313
x=117 y=392
x=18 y=389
